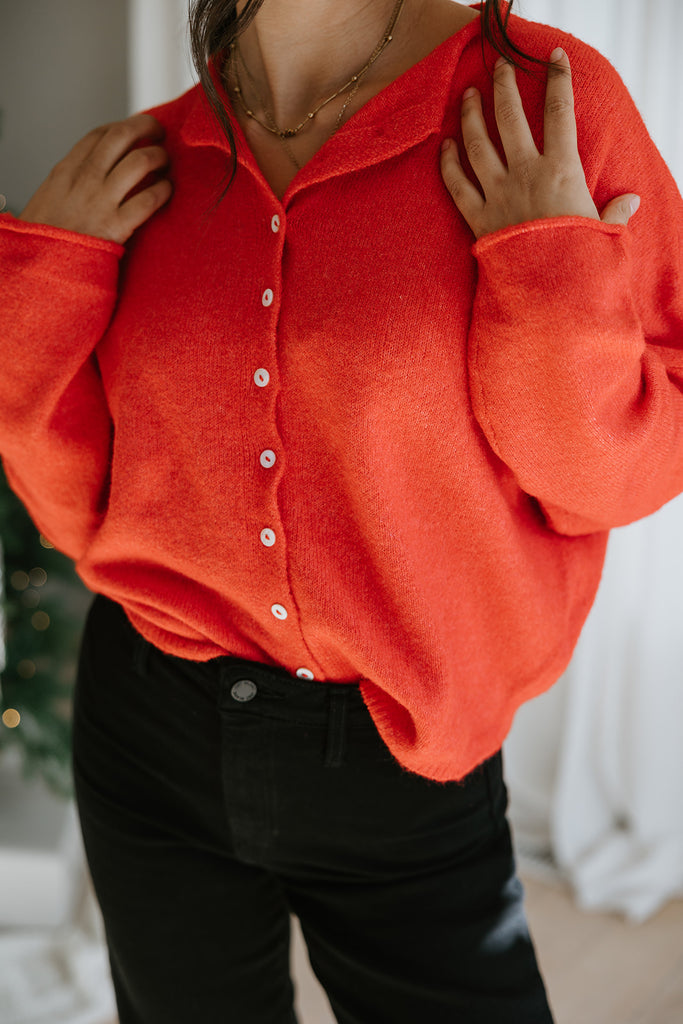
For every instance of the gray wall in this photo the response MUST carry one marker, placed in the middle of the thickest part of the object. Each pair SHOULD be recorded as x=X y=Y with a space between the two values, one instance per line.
x=63 y=71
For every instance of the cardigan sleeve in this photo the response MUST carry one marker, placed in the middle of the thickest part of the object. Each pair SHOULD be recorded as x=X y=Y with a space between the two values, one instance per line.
x=575 y=350
x=59 y=291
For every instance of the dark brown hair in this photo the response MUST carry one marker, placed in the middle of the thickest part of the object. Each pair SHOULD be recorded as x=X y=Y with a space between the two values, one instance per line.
x=215 y=24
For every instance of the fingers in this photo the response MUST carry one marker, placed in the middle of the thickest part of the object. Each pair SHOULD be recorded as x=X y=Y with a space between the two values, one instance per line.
x=140 y=208
x=120 y=137
x=513 y=126
x=85 y=191
x=135 y=166
x=531 y=187
x=560 y=137
x=466 y=197
x=104 y=146
x=111 y=168
x=481 y=152
x=621 y=209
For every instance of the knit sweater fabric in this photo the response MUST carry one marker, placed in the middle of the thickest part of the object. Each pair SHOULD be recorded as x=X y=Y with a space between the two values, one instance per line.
x=334 y=433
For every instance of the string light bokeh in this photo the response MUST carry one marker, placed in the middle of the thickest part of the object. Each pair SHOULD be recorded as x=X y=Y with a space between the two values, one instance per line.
x=28 y=584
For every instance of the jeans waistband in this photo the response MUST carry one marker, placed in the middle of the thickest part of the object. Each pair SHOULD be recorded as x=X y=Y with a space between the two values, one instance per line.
x=244 y=687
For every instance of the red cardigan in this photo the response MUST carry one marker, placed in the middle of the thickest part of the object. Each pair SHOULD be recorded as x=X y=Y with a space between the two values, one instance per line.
x=333 y=433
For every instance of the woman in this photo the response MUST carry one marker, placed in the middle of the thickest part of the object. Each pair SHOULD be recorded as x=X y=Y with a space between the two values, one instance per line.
x=338 y=446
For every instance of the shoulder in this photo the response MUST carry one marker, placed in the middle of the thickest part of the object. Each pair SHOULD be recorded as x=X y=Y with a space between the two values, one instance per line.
x=590 y=68
x=602 y=102
x=175 y=113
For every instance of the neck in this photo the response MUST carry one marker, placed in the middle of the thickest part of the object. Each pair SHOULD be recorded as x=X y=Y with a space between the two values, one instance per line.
x=302 y=51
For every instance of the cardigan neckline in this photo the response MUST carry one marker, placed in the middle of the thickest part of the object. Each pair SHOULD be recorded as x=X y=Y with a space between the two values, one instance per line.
x=403 y=114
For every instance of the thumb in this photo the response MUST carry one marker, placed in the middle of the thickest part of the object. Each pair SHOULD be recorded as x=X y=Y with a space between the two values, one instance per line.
x=620 y=210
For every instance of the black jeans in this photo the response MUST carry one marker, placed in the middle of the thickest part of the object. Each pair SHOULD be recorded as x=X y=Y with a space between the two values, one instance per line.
x=214 y=798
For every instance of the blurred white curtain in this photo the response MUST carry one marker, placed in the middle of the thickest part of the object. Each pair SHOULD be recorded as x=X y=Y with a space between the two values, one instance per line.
x=595 y=767
x=160 y=66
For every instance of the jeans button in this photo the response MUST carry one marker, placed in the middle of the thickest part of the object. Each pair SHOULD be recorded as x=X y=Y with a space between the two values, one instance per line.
x=243 y=690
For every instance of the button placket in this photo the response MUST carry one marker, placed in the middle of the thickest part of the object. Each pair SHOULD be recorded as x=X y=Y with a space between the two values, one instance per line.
x=268 y=457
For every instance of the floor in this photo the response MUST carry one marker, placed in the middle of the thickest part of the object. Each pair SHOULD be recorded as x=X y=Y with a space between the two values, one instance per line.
x=598 y=968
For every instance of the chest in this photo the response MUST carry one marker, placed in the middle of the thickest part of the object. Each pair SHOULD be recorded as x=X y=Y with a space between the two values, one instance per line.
x=280 y=160
x=360 y=287
x=274 y=157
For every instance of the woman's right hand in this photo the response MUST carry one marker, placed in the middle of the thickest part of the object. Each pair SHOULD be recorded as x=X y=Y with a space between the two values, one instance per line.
x=84 y=192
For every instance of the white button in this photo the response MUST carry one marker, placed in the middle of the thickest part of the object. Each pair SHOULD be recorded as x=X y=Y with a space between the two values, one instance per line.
x=275 y=223
x=261 y=378
x=305 y=673
x=267 y=458
x=267 y=538
x=267 y=297
x=278 y=611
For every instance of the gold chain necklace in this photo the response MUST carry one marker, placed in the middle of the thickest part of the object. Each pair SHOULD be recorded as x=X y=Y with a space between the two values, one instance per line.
x=355 y=81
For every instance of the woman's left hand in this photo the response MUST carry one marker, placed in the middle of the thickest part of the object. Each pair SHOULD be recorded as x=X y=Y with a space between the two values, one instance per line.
x=532 y=186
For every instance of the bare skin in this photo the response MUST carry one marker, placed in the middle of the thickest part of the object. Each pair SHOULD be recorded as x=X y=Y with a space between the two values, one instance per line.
x=301 y=52
x=297 y=68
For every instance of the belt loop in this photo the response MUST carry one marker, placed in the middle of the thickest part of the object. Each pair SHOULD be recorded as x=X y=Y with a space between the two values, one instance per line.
x=336 y=731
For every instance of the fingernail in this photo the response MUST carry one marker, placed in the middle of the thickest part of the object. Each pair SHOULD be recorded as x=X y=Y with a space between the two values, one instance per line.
x=500 y=62
x=635 y=204
x=557 y=54
x=446 y=144
x=469 y=93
